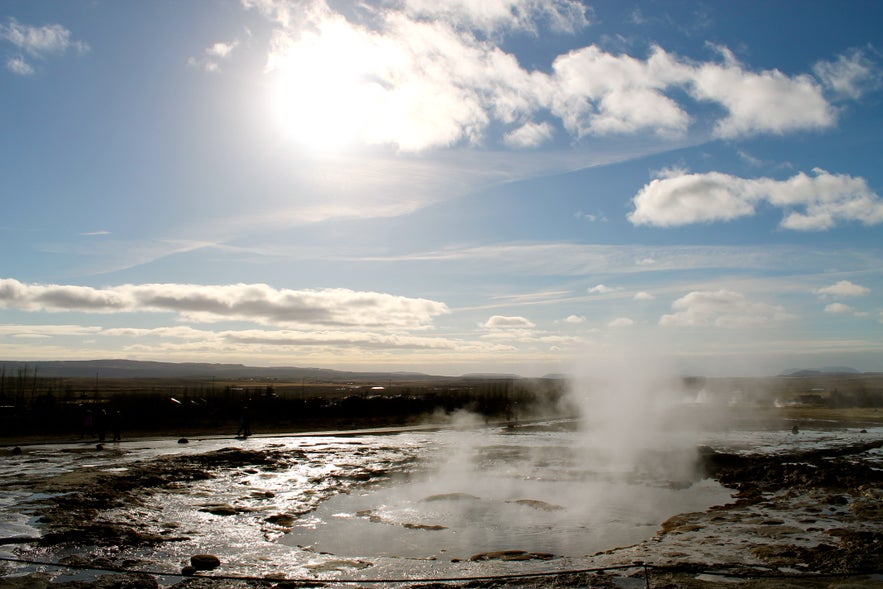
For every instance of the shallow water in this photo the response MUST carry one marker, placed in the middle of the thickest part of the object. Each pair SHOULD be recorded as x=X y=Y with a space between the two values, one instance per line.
x=410 y=504
x=492 y=491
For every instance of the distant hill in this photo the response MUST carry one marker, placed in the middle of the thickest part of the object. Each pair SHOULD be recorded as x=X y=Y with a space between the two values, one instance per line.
x=827 y=371
x=143 y=369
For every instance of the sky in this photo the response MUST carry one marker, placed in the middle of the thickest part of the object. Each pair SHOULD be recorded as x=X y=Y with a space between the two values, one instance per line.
x=494 y=186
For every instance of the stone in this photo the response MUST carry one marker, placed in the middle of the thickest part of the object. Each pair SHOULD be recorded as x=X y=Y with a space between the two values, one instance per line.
x=281 y=519
x=205 y=562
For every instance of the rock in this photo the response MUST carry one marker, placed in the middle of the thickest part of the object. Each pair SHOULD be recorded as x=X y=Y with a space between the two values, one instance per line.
x=430 y=527
x=220 y=509
x=281 y=519
x=183 y=441
x=511 y=555
x=188 y=571
x=537 y=504
x=205 y=562
x=16 y=451
x=450 y=497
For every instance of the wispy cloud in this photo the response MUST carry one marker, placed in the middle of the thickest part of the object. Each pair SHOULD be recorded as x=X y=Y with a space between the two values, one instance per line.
x=851 y=75
x=37 y=42
x=213 y=56
x=603 y=289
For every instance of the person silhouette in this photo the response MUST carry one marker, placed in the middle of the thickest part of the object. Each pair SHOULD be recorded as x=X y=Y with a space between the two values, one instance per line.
x=244 y=424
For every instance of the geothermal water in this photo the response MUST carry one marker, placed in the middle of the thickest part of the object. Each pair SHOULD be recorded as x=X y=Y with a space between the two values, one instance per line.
x=535 y=490
x=413 y=504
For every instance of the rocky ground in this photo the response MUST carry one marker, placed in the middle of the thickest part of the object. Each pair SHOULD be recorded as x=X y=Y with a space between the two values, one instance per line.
x=798 y=519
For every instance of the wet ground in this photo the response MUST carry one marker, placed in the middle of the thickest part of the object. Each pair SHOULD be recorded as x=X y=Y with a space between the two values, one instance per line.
x=760 y=508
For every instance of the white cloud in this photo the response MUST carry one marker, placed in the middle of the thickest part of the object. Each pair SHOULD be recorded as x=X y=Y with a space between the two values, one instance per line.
x=592 y=217
x=504 y=322
x=851 y=76
x=603 y=289
x=621 y=322
x=258 y=303
x=843 y=288
x=244 y=341
x=838 y=309
x=643 y=296
x=211 y=57
x=749 y=159
x=722 y=308
x=815 y=202
x=601 y=93
x=575 y=319
x=765 y=102
x=489 y=16
x=38 y=43
x=419 y=75
x=47 y=330
x=19 y=66
x=529 y=135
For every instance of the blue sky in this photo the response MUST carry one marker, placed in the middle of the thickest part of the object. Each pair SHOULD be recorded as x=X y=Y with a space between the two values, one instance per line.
x=445 y=187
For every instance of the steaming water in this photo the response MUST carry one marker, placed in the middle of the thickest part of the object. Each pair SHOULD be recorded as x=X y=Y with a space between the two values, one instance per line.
x=537 y=491
x=412 y=504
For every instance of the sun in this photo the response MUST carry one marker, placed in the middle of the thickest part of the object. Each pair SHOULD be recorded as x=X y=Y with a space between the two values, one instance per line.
x=322 y=90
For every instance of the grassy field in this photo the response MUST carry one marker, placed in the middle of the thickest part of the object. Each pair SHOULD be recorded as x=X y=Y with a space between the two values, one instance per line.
x=36 y=408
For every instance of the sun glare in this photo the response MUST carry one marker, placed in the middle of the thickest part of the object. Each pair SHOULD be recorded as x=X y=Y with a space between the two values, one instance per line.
x=322 y=91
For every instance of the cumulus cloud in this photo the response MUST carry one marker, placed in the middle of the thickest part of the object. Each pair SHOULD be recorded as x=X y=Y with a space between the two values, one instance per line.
x=504 y=322
x=816 y=202
x=722 y=308
x=575 y=319
x=643 y=296
x=419 y=75
x=37 y=43
x=257 y=303
x=843 y=288
x=851 y=75
x=767 y=101
x=838 y=309
x=621 y=322
x=529 y=135
x=601 y=93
